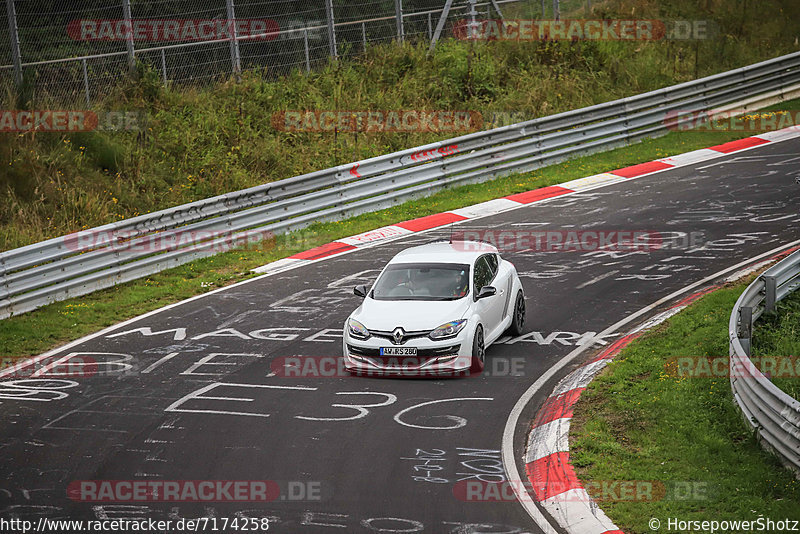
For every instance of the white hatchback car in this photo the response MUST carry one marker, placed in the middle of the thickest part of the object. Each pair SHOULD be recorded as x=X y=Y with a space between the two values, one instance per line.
x=433 y=310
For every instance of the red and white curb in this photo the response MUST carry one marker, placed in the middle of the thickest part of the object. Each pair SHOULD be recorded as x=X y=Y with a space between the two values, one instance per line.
x=552 y=478
x=518 y=200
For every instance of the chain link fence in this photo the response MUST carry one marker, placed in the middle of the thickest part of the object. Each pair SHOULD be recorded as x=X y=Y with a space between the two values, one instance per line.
x=76 y=52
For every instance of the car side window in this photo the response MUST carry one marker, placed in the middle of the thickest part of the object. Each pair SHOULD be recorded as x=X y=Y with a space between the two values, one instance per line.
x=483 y=274
x=492 y=259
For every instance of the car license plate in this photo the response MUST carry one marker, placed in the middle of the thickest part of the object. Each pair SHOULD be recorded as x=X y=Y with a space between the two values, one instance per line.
x=398 y=351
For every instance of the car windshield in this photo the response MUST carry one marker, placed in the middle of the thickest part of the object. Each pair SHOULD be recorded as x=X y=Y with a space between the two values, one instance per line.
x=423 y=281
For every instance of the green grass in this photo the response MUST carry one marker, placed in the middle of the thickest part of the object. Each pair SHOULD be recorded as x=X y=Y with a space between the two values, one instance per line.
x=638 y=421
x=37 y=331
x=778 y=334
x=203 y=141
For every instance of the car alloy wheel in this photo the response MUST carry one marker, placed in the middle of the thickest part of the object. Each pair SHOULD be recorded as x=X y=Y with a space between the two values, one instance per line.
x=518 y=319
x=478 y=352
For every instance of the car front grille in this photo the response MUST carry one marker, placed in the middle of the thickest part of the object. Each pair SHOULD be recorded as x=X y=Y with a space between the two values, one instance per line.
x=407 y=336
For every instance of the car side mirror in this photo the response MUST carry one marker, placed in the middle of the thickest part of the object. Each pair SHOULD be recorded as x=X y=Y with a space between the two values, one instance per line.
x=486 y=291
x=361 y=291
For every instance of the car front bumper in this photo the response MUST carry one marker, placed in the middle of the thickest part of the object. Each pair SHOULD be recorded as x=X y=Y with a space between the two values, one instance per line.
x=434 y=358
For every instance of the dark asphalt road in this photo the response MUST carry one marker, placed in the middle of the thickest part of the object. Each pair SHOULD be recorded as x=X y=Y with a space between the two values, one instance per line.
x=196 y=401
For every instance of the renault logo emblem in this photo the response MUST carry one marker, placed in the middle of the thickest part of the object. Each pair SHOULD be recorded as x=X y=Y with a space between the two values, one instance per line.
x=397 y=335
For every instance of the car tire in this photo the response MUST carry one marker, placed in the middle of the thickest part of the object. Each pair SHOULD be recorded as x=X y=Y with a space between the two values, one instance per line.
x=518 y=316
x=478 y=352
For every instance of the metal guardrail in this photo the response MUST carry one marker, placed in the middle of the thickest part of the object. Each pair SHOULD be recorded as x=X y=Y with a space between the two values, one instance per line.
x=57 y=269
x=773 y=415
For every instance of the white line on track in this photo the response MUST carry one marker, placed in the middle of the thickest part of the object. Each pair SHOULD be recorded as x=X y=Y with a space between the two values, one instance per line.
x=597 y=279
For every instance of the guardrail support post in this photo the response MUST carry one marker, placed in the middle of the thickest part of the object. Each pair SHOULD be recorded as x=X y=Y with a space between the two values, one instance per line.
x=746 y=328
x=770 y=293
x=236 y=59
x=331 y=28
x=126 y=14
x=16 y=57
x=398 y=11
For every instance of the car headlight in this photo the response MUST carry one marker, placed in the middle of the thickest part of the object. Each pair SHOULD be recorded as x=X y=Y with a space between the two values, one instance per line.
x=448 y=330
x=357 y=330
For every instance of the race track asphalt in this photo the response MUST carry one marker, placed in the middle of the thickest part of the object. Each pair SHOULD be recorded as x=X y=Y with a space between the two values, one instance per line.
x=200 y=400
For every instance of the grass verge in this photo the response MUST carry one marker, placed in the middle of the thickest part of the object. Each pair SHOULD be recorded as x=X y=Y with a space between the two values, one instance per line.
x=638 y=421
x=35 y=332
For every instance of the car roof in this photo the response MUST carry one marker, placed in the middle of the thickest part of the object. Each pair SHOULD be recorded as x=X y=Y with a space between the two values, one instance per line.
x=445 y=252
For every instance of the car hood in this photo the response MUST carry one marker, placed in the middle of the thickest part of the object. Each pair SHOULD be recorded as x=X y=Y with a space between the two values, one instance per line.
x=412 y=315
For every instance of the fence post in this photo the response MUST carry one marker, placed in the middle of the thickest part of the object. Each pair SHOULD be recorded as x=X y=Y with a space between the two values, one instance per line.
x=496 y=7
x=398 y=11
x=164 y=66
x=331 y=28
x=234 y=38
x=473 y=25
x=305 y=44
x=440 y=25
x=430 y=28
x=364 y=35
x=86 y=81
x=126 y=14
x=12 y=33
